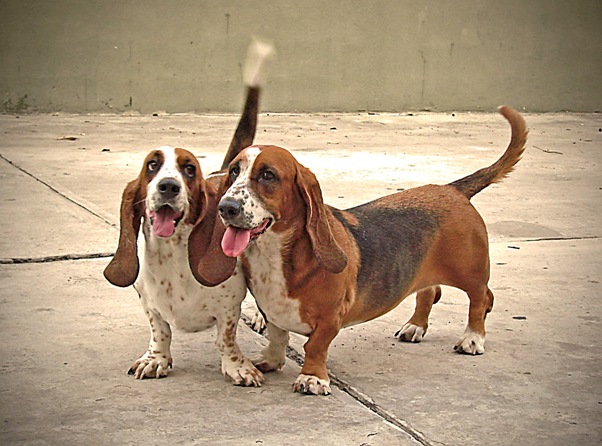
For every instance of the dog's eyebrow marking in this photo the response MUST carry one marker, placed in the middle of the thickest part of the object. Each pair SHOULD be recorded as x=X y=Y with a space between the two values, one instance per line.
x=245 y=164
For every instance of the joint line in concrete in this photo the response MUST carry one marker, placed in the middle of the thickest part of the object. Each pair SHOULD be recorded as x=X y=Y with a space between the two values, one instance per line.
x=57 y=258
x=357 y=395
x=56 y=191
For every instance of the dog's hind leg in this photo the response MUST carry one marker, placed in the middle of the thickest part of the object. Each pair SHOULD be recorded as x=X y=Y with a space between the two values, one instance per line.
x=273 y=356
x=415 y=328
x=473 y=340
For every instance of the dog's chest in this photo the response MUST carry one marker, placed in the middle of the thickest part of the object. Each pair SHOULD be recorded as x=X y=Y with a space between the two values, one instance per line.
x=268 y=285
x=168 y=288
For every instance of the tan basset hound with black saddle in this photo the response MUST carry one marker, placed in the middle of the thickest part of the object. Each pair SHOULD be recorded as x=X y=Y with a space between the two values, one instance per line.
x=314 y=269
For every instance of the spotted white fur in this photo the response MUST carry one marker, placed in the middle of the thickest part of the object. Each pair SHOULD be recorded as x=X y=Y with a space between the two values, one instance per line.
x=171 y=296
x=266 y=277
x=268 y=285
x=252 y=212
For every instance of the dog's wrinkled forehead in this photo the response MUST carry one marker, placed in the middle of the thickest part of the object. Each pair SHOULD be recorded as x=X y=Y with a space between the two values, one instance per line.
x=163 y=164
x=167 y=162
x=241 y=170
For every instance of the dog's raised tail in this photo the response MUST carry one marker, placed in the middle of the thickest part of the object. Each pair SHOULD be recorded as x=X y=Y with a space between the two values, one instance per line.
x=479 y=180
x=254 y=75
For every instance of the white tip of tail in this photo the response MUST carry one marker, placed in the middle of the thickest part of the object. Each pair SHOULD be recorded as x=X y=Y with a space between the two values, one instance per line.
x=259 y=54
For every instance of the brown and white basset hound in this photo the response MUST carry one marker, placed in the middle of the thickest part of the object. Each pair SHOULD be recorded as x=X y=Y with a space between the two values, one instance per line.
x=314 y=269
x=169 y=197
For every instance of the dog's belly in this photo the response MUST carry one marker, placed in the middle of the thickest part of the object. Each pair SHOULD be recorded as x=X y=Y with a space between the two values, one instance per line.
x=393 y=236
x=168 y=288
x=268 y=285
x=188 y=306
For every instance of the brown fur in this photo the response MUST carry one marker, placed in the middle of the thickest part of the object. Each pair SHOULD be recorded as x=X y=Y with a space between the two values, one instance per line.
x=346 y=267
x=123 y=269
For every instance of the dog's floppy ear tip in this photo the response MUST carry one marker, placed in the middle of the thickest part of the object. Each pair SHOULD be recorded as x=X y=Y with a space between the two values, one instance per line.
x=214 y=273
x=335 y=263
x=115 y=274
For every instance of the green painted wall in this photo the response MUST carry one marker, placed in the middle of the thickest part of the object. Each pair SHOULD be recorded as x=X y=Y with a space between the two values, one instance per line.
x=343 y=55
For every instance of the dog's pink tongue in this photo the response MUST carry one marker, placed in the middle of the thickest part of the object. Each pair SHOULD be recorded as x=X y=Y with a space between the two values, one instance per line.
x=164 y=221
x=235 y=241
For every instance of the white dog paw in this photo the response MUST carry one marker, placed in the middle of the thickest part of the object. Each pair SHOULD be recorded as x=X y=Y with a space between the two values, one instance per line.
x=266 y=363
x=470 y=343
x=258 y=324
x=151 y=365
x=410 y=333
x=245 y=374
x=312 y=385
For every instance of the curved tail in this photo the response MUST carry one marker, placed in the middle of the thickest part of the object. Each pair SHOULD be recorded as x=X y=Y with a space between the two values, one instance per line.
x=258 y=56
x=476 y=182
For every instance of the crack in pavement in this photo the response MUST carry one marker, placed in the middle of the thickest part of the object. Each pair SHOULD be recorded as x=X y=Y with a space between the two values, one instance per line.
x=57 y=258
x=356 y=394
x=55 y=190
x=562 y=239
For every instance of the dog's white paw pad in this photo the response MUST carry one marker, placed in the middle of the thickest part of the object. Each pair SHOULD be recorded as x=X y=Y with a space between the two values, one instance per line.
x=470 y=343
x=410 y=333
x=312 y=385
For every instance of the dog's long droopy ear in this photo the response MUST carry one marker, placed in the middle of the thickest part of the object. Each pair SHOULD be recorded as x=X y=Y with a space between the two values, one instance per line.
x=258 y=55
x=208 y=263
x=123 y=269
x=319 y=223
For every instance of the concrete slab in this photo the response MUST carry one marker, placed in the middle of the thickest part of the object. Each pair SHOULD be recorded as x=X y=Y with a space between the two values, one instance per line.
x=539 y=380
x=538 y=383
x=37 y=222
x=357 y=157
x=67 y=340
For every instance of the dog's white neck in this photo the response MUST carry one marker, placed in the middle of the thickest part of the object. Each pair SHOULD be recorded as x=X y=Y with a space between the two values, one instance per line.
x=268 y=285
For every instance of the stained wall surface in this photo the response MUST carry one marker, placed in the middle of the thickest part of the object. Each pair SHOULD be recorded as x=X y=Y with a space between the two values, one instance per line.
x=387 y=55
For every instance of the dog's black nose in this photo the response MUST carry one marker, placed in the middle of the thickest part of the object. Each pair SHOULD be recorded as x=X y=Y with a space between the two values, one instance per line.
x=229 y=208
x=168 y=188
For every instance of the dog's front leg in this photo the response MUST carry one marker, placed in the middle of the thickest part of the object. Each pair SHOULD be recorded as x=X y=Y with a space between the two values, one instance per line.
x=314 y=375
x=157 y=359
x=234 y=364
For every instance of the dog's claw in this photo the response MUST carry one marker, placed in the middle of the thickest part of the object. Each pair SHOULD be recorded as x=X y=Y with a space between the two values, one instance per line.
x=245 y=374
x=410 y=333
x=150 y=366
x=312 y=385
x=470 y=343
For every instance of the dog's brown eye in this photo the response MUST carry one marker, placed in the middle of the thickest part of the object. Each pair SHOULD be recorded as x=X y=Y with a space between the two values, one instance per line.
x=152 y=165
x=234 y=172
x=190 y=170
x=267 y=175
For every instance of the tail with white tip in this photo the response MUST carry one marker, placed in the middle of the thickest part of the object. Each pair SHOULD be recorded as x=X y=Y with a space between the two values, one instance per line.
x=254 y=75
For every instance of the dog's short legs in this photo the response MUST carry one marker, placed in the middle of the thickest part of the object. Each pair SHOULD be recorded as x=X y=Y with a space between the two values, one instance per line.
x=273 y=356
x=234 y=364
x=157 y=359
x=314 y=375
x=473 y=340
x=415 y=328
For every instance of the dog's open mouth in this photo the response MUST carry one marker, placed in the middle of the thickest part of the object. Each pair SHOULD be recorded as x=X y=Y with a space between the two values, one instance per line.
x=236 y=240
x=164 y=221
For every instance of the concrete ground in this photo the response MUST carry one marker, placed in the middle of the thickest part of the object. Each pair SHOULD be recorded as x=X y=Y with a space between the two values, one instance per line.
x=68 y=336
